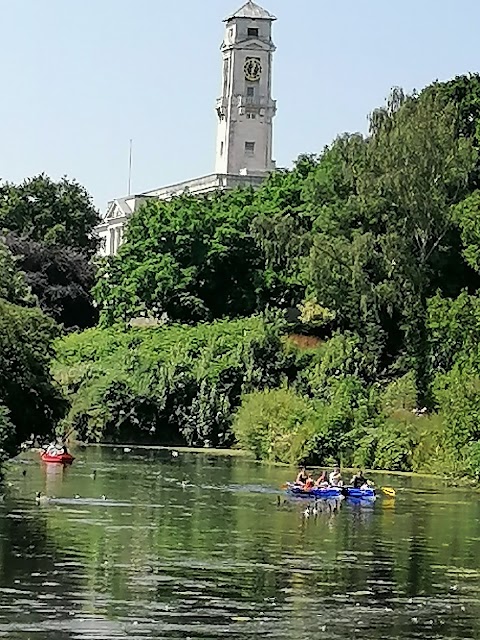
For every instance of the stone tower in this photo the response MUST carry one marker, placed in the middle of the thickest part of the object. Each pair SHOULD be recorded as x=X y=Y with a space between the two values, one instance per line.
x=246 y=109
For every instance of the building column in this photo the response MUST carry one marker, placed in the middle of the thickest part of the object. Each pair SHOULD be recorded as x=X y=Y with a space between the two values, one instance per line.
x=111 y=248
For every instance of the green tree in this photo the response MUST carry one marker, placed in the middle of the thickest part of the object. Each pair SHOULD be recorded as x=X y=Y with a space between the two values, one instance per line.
x=59 y=213
x=27 y=390
x=13 y=285
x=377 y=272
x=281 y=229
x=464 y=92
x=192 y=258
x=49 y=227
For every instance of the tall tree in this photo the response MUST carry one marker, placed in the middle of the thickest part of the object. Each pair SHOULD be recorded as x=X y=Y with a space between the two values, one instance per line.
x=59 y=213
x=49 y=226
x=420 y=166
x=192 y=258
x=61 y=278
x=387 y=243
x=29 y=401
x=281 y=228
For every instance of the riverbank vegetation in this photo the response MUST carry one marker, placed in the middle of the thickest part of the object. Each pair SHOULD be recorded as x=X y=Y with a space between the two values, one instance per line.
x=30 y=402
x=368 y=253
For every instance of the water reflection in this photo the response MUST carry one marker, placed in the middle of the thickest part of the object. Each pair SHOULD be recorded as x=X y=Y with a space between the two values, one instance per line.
x=155 y=547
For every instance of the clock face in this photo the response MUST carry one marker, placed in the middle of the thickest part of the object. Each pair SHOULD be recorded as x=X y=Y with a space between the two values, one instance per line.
x=253 y=69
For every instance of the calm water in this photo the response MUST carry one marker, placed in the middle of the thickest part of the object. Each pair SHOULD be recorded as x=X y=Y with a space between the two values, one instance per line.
x=196 y=547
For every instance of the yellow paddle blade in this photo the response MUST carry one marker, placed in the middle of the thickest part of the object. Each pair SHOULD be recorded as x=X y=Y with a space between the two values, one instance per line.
x=389 y=491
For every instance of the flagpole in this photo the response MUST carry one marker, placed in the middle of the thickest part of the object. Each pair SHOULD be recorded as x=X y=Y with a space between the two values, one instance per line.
x=130 y=169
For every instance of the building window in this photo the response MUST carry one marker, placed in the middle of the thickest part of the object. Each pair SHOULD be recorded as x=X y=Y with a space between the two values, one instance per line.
x=250 y=92
x=221 y=148
x=249 y=148
x=251 y=116
x=253 y=33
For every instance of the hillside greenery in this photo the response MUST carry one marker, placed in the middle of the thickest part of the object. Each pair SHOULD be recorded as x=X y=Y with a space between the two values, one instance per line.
x=331 y=314
x=176 y=384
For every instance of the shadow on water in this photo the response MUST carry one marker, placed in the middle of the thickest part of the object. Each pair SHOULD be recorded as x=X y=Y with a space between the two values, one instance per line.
x=142 y=545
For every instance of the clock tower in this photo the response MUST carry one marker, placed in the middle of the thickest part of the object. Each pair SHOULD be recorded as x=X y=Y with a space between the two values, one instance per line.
x=245 y=109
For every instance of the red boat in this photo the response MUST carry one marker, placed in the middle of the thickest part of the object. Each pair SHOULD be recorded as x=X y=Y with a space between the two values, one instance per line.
x=61 y=458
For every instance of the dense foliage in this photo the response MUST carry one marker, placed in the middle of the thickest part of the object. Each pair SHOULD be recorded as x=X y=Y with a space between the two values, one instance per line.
x=61 y=278
x=49 y=226
x=197 y=259
x=175 y=384
x=375 y=244
x=370 y=254
x=57 y=213
x=29 y=400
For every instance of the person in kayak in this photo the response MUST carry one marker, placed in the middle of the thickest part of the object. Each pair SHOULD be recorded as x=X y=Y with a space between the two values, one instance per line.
x=335 y=478
x=56 y=449
x=309 y=483
x=322 y=480
x=302 y=476
x=52 y=449
x=359 y=481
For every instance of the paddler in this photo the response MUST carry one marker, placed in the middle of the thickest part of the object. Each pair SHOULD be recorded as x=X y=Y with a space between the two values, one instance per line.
x=322 y=480
x=335 y=478
x=302 y=476
x=309 y=483
x=359 y=481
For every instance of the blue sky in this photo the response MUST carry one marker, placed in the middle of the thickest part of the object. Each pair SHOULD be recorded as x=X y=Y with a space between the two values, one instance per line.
x=82 y=77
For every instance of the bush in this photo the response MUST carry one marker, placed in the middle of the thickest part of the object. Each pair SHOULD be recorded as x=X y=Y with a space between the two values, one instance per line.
x=281 y=425
x=400 y=395
x=458 y=396
x=26 y=387
x=339 y=358
x=395 y=445
x=8 y=434
x=175 y=383
x=275 y=425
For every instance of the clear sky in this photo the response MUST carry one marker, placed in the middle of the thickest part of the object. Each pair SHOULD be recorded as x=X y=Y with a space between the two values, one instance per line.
x=82 y=77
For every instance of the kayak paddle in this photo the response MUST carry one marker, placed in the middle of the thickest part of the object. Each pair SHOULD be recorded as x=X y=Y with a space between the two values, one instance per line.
x=389 y=491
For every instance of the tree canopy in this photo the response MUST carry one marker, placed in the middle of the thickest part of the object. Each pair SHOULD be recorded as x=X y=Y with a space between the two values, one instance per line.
x=57 y=213
x=49 y=226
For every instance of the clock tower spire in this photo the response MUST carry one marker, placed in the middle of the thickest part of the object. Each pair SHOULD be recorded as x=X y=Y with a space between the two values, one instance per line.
x=246 y=109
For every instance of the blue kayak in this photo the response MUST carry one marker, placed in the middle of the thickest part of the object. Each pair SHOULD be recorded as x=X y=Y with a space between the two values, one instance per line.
x=325 y=493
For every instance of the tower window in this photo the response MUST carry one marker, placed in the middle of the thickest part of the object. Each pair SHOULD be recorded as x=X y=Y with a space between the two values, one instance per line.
x=253 y=33
x=221 y=148
x=249 y=148
x=250 y=92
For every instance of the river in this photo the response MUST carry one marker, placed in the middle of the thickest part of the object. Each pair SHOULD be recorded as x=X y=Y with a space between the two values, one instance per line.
x=195 y=546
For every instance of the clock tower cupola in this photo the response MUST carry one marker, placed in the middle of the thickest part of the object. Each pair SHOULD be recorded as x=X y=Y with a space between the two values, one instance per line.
x=246 y=109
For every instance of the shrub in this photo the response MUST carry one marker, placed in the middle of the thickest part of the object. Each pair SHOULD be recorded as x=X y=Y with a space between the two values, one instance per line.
x=400 y=395
x=275 y=425
x=8 y=440
x=170 y=383
x=27 y=390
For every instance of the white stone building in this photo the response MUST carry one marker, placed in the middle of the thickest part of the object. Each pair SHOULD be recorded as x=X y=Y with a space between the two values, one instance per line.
x=245 y=122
